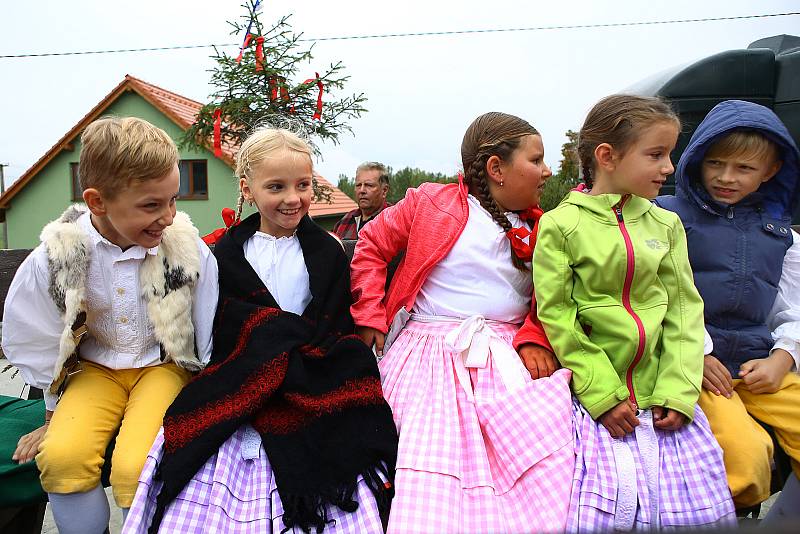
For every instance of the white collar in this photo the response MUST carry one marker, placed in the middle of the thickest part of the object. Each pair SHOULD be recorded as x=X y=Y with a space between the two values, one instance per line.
x=270 y=237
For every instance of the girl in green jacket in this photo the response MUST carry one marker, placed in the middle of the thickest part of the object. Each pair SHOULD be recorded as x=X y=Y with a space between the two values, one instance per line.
x=616 y=297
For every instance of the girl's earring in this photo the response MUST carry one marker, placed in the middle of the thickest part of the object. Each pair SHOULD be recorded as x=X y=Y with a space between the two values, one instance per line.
x=250 y=202
x=501 y=183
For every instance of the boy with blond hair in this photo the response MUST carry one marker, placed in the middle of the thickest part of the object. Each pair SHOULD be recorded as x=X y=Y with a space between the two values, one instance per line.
x=109 y=315
x=738 y=184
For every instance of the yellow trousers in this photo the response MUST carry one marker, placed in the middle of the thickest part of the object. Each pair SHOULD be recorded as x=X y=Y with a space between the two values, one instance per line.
x=97 y=402
x=746 y=446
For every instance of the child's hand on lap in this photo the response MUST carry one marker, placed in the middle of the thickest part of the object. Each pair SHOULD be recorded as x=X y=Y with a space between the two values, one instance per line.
x=716 y=377
x=539 y=361
x=372 y=336
x=764 y=375
x=667 y=419
x=621 y=419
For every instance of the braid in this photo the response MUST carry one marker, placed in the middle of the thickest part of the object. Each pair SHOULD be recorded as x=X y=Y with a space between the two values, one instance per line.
x=492 y=134
x=586 y=171
x=490 y=205
x=476 y=178
x=239 y=204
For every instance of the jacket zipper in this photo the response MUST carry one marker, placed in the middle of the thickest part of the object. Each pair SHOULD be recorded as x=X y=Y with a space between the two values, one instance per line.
x=626 y=297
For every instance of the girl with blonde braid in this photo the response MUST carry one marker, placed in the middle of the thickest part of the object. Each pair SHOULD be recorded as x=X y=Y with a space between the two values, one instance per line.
x=286 y=430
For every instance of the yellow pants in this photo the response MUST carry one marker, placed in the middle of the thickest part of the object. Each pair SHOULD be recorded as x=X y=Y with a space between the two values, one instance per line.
x=746 y=446
x=97 y=402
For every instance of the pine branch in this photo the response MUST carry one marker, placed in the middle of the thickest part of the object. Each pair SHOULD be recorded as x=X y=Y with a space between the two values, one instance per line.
x=280 y=93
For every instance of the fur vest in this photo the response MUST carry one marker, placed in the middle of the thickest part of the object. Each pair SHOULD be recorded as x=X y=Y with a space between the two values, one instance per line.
x=166 y=282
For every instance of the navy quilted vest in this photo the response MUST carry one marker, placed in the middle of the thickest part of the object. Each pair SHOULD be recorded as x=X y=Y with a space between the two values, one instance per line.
x=737 y=260
x=737 y=251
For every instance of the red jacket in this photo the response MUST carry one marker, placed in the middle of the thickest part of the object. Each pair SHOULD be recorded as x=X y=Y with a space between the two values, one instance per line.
x=426 y=224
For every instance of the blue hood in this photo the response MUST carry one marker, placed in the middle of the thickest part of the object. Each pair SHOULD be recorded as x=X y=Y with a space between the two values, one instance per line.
x=780 y=195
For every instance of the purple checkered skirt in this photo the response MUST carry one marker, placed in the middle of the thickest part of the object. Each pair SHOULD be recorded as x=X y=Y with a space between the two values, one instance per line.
x=652 y=479
x=234 y=492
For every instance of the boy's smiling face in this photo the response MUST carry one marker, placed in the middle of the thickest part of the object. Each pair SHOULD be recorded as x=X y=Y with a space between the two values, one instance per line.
x=729 y=178
x=138 y=214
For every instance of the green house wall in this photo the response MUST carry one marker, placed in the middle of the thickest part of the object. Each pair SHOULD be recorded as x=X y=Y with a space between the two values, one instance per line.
x=46 y=196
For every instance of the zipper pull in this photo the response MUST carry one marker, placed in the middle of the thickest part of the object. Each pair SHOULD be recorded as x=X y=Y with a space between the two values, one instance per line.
x=730 y=213
x=618 y=208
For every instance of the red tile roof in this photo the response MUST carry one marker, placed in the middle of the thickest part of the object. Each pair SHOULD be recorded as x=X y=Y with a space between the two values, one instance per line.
x=182 y=111
x=340 y=203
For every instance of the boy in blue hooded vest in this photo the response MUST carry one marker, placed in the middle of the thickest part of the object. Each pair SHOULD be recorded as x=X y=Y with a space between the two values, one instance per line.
x=737 y=187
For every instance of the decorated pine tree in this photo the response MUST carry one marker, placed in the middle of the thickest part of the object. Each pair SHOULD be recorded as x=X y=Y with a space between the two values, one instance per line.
x=270 y=82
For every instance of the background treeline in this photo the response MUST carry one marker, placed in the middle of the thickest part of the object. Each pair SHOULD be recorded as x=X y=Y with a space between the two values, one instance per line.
x=399 y=182
x=554 y=190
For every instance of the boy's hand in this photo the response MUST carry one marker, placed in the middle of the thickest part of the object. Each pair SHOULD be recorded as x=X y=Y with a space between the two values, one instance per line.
x=716 y=377
x=667 y=419
x=28 y=445
x=764 y=375
x=372 y=336
x=539 y=361
x=621 y=419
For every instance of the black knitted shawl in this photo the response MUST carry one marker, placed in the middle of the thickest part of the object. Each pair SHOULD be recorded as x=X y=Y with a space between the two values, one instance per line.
x=307 y=384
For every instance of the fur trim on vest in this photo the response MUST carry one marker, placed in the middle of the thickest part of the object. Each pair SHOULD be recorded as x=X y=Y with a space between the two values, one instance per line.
x=166 y=282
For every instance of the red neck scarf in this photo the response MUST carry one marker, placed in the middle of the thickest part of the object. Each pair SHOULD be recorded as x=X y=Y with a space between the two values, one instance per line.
x=523 y=240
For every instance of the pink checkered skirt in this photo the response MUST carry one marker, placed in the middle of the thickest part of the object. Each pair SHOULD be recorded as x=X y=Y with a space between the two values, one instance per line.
x=234 y=492
x=499 y=462
x=676 y=479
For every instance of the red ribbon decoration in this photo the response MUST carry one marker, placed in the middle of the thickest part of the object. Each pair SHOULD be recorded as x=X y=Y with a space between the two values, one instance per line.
x=259 y=53
x=278 y=83
x=229 y=218
x=284 y=89
x=244 y=45
x=217 y=132
x=523 y=240
x=318 y=112
x=273 y=89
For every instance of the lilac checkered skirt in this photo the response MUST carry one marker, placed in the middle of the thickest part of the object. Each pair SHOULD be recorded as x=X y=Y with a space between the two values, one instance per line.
x=499 y=460
x=234 y=492
x=652 y=479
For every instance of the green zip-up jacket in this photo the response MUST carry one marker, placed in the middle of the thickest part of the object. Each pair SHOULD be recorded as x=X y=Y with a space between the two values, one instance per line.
x=615 y=293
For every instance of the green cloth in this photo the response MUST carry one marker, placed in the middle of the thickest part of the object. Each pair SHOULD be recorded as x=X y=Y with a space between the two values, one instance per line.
x=19 y=484
x=580 y=264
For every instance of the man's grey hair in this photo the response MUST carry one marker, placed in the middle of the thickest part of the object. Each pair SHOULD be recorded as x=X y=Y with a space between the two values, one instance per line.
x=375 y=166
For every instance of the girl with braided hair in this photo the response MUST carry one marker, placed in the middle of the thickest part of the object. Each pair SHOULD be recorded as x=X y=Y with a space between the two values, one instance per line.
x=618 y=302
x=482 y=425
x=286 y=429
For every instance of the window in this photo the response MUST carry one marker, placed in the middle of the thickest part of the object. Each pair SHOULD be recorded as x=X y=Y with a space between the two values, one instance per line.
x=194 y=179
x=77 y=191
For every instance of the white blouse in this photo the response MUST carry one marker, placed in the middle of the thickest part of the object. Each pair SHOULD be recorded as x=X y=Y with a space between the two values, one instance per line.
x=477 y=276
x=280 y=264
x=784 y=318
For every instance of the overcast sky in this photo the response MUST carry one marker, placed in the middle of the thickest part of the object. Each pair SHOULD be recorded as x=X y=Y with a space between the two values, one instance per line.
x=422 y=91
